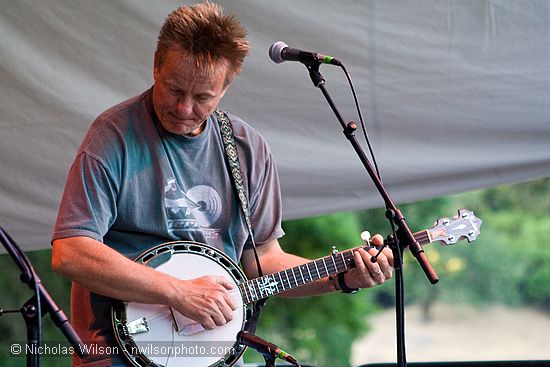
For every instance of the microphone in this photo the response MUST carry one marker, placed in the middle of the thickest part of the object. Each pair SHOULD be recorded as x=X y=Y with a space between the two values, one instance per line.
x=279 y=52
x=264 y=347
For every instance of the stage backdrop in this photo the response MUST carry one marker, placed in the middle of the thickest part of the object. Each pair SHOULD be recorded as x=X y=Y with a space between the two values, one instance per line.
x=456 y=95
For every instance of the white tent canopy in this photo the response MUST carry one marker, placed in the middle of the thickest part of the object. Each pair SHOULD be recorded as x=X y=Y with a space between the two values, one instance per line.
x=455 y=94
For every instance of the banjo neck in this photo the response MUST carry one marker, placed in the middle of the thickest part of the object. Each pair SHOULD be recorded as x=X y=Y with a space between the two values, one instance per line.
x=338 y=262
x=447 y=231
x=271 y=284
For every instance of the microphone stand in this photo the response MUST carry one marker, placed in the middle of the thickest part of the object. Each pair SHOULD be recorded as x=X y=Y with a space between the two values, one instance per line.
x=37 y=306
x=404 y=237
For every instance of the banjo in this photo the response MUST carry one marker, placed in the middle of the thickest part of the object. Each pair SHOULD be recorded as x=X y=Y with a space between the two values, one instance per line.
x=157 y=335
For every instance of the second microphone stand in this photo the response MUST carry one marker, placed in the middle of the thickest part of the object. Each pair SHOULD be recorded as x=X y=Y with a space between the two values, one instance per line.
x=404 y=238
x=37 y=306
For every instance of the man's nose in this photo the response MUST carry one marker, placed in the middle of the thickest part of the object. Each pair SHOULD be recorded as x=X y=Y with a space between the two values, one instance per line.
x=184 y=106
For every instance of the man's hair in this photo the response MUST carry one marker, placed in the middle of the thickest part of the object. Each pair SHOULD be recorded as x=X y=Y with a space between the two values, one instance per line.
x=205 y=34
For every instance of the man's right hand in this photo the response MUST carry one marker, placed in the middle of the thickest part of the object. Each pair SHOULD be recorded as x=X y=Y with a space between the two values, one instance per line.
x=207 y=300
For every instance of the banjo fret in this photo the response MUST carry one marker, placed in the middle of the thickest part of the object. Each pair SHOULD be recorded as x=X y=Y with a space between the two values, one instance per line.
x=301 y=274
x=281 y=279
x=317 y=268
x=294 y=276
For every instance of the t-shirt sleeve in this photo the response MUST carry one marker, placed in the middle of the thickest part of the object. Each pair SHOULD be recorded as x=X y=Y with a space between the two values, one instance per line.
x=265 y=200
x=88 y=204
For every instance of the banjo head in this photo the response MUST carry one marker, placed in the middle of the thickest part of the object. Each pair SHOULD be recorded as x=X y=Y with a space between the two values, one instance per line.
x=146 y=333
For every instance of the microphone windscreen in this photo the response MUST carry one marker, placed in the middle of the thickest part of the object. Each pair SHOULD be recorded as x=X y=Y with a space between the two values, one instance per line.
x=275 y=51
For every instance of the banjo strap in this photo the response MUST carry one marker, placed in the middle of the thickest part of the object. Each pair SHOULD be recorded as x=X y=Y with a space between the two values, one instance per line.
x=232 y=158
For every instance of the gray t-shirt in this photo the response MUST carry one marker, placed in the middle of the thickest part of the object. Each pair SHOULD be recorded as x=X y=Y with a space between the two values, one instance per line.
x=134 y=185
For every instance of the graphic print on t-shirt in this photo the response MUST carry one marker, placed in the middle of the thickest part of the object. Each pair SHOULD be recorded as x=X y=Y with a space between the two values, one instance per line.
x=193 y=211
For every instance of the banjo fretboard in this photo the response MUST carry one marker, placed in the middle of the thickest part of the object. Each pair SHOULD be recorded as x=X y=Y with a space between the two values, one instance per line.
x=339 y=262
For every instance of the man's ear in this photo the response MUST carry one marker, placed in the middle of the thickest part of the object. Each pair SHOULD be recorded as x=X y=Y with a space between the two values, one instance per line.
x=155 y=68
x=155 y=74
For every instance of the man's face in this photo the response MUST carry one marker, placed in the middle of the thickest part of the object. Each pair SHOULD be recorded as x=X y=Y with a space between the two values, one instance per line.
x=183 y=99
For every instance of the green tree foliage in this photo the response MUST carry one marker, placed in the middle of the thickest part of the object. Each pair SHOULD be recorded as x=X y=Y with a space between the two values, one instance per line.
x=520 y=223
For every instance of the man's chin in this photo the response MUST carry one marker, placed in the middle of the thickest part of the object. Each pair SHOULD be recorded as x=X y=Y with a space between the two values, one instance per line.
x=181 y=128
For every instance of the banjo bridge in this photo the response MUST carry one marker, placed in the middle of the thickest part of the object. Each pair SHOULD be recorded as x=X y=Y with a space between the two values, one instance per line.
x=137 y=326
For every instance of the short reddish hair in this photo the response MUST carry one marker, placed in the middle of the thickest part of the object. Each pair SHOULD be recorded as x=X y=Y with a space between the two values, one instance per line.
x=208 y=36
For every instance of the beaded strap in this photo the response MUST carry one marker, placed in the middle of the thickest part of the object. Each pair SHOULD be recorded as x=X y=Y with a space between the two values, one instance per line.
x=235 y=168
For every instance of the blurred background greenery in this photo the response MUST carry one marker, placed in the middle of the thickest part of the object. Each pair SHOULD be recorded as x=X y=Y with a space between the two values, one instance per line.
x=508 y=264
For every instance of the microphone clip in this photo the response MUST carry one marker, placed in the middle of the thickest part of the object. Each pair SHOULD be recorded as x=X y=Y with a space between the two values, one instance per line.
x=268 y=350
x=314 y=74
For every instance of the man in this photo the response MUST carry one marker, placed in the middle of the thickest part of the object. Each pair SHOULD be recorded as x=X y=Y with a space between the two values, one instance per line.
x=152 y=169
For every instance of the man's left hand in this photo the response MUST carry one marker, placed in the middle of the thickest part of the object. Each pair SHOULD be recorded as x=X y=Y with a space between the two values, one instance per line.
x=367 y=274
